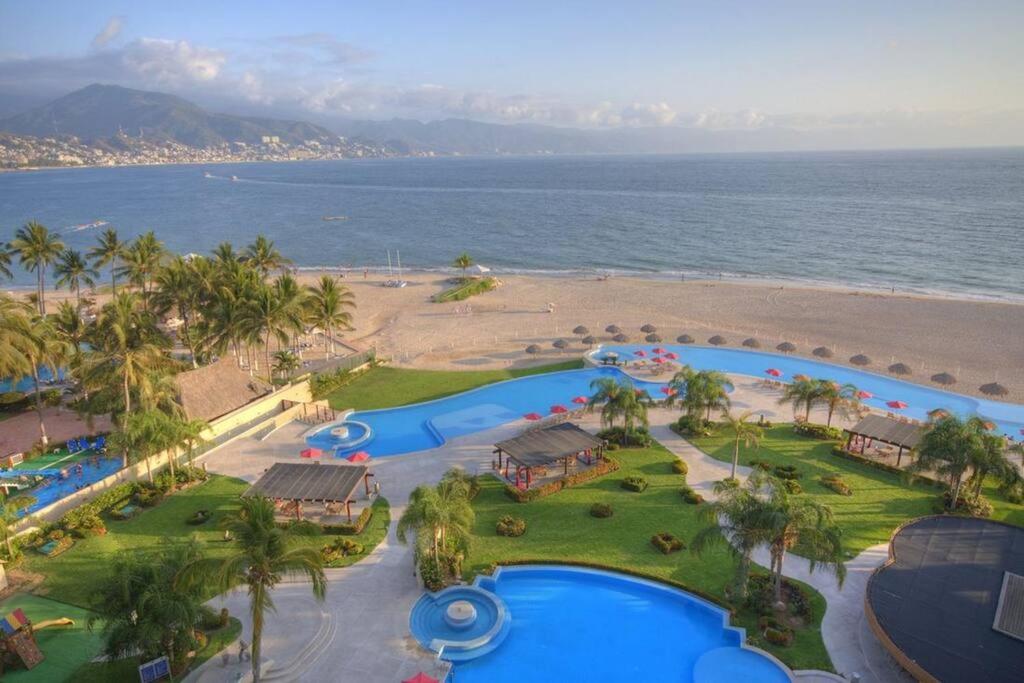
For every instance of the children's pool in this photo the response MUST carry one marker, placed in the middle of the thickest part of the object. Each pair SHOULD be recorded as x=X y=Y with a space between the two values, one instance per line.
x=75 y=476
x=570 y=624
x=427 y=425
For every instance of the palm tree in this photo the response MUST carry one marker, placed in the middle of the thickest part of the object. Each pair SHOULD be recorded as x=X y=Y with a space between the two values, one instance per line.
x=11 y=513
x=463 y=261
x=804 y=392
x=73 y=271
x=224 y=253
x=263 y=256
x=991 y=462
x=14 y=328
x=837 y=397
x=5 y=261
x=266 y=314
x=949 y=448
x=142 y=435
x=733 y=520
x=619 y=400
x=177 y=289
x=37 y=248
x=264 y=554
x=141 y=261
x=42 y=349
x=441 y=513
x=190 y=434
x=742 y=431
x=708 y=389
x=108 y=252
x=328 y=302
x=286 y=362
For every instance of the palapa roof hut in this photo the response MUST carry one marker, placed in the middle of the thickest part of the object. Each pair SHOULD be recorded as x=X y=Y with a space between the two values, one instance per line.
x=684 y=339
x=993 y=389
x=217 y=389
x=718 y=340
x=823 y=352
x=580 y=330
x=560 y=344
x=590 y=340
x=860 y=359
x=621 y=338
x=533 y=349
x=544 y=448
x=903 y=435
x=613 y=329
x=751 y=343
x=901 y=369
x=786 y=347
x=944 y=378
x=653 y=338
x=648 y=328
x=298 y=483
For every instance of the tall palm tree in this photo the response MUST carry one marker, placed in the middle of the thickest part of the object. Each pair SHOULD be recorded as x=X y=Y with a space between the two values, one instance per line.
x=263 y=555
x=189 y=433
x=14 y=328
x=329 y=302
x=619 y=401
x=949 y=448
x=224 y=253
x=142 y=435
x=141 y=261
x=266 y=314
x=733 y=520
x=841 y=398
x=463 y=261
x=264 y=256
x=73 y=271
x=69 y=325
x=990 y=462
x=177 y=289
x=440 y=515
x=108 y=252
x=678 y=385
x=294 y=302
x=43 y=349
x=11 y=512
x=804 y=392
x=5 y=261
x=285 y=363
x=707 y=389
x=37 y=248
x=742 y=432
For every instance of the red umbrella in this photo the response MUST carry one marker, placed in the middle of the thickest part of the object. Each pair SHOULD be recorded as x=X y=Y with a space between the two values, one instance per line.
x=671 y=356
x=659 y=360
x=310 y=453
x=658 y=349
x=774 y=372
x=668 y=391
x=420 y=678
x=559 y=409
x=358 y=456
x=896 y=405
x=640 y=353
x=532 y=417
x=864 y=395
x=581 y=400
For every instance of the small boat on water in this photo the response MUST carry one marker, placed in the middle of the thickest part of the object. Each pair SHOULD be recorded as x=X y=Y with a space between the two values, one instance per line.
x=207 y=175
x=86 y=226
x=234 y=178
x=335 y=218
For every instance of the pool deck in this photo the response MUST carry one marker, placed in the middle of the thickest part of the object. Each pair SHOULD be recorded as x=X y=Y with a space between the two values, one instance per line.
x=361 y=631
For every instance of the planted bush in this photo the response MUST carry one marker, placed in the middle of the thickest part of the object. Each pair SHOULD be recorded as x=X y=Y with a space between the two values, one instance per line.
x=979 y=507
x=691 y=496
x=761 y=597
x=680 y=467
x=786 y=472
x=793 y=487
x=601 y=510
x=836 y=483
x=638 y=437
x=667 y=543
x=817 y=431
x=342 y=547
x=694 y=425
x=511 y=526
x=526 y=495
x=762 y=465
x=634 y=483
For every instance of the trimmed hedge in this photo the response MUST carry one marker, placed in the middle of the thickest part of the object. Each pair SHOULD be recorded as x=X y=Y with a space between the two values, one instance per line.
x=511 y=526
x=817 y=431
x=680 y=467
x=836 y=483
x=619 y=437
x=787 y=472
x=601 y=510
x=606 y=466
x=667 y=543
x=691 y=496
x=355 y=527
x=635 y=484
x=693 y=425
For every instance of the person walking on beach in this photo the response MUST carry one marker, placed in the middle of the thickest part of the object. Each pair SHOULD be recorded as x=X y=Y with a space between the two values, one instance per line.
x=365 y=272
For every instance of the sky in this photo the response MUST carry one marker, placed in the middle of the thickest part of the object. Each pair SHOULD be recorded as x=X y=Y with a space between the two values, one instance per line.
x=807 y=65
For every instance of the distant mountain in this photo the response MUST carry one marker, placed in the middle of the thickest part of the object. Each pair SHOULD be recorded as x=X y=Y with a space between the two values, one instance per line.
x=101 y=112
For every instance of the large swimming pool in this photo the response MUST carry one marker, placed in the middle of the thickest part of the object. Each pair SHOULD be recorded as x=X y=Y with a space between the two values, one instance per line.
x=572 y=624
x=427 y=425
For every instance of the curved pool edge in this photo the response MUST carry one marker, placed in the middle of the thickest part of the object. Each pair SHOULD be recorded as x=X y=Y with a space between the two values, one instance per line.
x=460 y=650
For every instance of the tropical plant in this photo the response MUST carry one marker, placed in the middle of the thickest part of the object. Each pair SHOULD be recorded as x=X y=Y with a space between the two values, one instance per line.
x=5 y=261
x=73 y=271
x=108 y=252
x=441 y=516
x=189 y=433
x=708 y=390
x=178 y=289
x=286 y=362
x=42 y=348
x=142 y=435
x=264 y=256
x=619 y=401
x=328 y=306
x=14 y=328
x=12 y=512
x=742 y=432
x=69 y=325
x=141 y=261
x=37 y=248
x=803 y=392
x=266 y=315
x=734 y=519
x=263 y=555
x=463 y=261
x=841 y=398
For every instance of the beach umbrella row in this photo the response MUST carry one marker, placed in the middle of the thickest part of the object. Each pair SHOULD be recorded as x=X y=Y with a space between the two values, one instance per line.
x=860 y=359
x=823 y=352
x=751 y=343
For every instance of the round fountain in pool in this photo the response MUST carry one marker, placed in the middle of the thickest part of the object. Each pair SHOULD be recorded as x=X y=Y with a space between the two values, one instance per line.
x=340 y=436
x=461 y=622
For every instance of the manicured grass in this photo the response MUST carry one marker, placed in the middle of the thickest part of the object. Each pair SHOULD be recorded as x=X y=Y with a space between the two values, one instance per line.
x=65 y=648
x=385 y=387
x=59 y=459
x=560 y=528
x=466 y=287
x=881 y=501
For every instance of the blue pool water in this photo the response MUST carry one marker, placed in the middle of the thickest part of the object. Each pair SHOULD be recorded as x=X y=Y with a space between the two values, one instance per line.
x=55 y=488
x=26 y=383
x=358 y=434
x=570 y=624
x=428 y=425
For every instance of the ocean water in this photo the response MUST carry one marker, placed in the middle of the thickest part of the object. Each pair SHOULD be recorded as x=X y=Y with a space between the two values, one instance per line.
x=924 y=221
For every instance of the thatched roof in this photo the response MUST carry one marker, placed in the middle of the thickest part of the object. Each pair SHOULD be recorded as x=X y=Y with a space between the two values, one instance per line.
x=684 y=339
x=533 y=348
x=648 y=328
x=717 y=340
x=860 y=359
x=823 y=352
x=621 y=338
x=786 y=347
x=993 y=389
x=560 y=344
x=944 y=378
x=580 y=329
x=751 y=343
x=900 y=369
x=613 y=329
x=545 y=446
x=887 y=430
x=653 y=338
x=589 y=340
x=217 y=389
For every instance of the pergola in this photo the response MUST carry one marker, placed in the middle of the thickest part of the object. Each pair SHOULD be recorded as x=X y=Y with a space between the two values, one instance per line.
x=903 y=435
x=312 y=483
x=545 y=447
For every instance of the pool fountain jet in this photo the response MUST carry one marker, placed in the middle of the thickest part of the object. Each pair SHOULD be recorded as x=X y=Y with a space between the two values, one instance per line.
x=460 y=614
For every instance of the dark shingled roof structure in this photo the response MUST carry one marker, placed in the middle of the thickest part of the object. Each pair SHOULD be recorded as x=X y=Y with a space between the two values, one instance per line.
x=309 y=482
x=934 y=604
x=214 y=390
x=889 y=431
x=547 y=446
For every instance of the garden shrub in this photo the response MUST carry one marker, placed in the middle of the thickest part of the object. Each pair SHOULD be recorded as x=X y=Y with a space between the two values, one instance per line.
x=198 y=517
x=13 y=401
x=149 y=495
x=762 y=465
x=780 y=636
x=511 y=526
x=356 y=527
x=431 y=576
x=605 y=466
x=786 y=472
x=342 y=547
x=667 y=543
x=680 y=467
x=761 y=597
x=83 y=521
x=836 y=483
x=817 y=431
x=634 y=483
x=731 y=482
x=638 y=437
x=691 y=496
x=1014 y=495
x=601 y=510
x=793 y=487
x=971 y=507
x=694 y=425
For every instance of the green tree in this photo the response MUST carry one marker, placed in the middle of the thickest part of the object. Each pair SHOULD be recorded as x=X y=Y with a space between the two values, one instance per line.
x=108 y=252
x=5 y=261
x=285 y=363
x=841 y=398
x=264 y=256
x=141 y=262
x=263 y=555
x=803 y=392
x=950 y=447
x=742 y=432
x=73 y=271
x=619 y=401
x=707 y=390
x=734 y=519
x=189 y=433
x=267 y=315
x=14 y=328
x=441 y=516
x=69 y=325
x=329 y=306
x=12 y=512
x=37 y=248
x=142 y=435
x=42 y=348
x=178 y=289
x=463 y=261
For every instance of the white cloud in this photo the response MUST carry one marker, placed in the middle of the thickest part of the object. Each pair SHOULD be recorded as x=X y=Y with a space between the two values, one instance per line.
x=108 y=33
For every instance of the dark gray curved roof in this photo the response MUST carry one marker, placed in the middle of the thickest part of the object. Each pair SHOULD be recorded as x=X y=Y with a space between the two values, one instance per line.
x=309 y=482
x=546 y=446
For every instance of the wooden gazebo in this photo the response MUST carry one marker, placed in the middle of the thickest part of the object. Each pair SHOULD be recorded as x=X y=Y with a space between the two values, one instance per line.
x=545 y=447
x=312 y=483
x=903 y=435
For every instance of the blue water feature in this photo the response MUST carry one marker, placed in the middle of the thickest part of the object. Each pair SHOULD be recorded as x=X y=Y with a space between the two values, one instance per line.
x=428 y=425
x=466 y=634
x=56 y=486
x=327 y=439
x=571 y=624
x=26 y=383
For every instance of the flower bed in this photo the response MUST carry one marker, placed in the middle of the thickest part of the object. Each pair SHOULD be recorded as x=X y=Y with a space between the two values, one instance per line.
x=666 y=543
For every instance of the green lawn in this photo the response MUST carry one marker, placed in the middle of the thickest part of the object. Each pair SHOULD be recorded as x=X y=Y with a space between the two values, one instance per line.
x=65 y=648
x=385 y=387
x=465 y=288
x=881 y=501
x=560 y=527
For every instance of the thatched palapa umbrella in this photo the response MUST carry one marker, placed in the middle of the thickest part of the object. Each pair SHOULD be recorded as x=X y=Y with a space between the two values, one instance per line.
x=684 y=339
x=993 y=389
x=533 y=349
x=589 y=341
x=653 y=338
x=581 y=330
x=560 y=344
x=751 y=343
x=786 y=347
x=613 y=329
x=944 y=378
x=621 y=338
x=860 y=359
x=648 y=329
x=823 y=352
x=718 y=340
x=901 y=369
